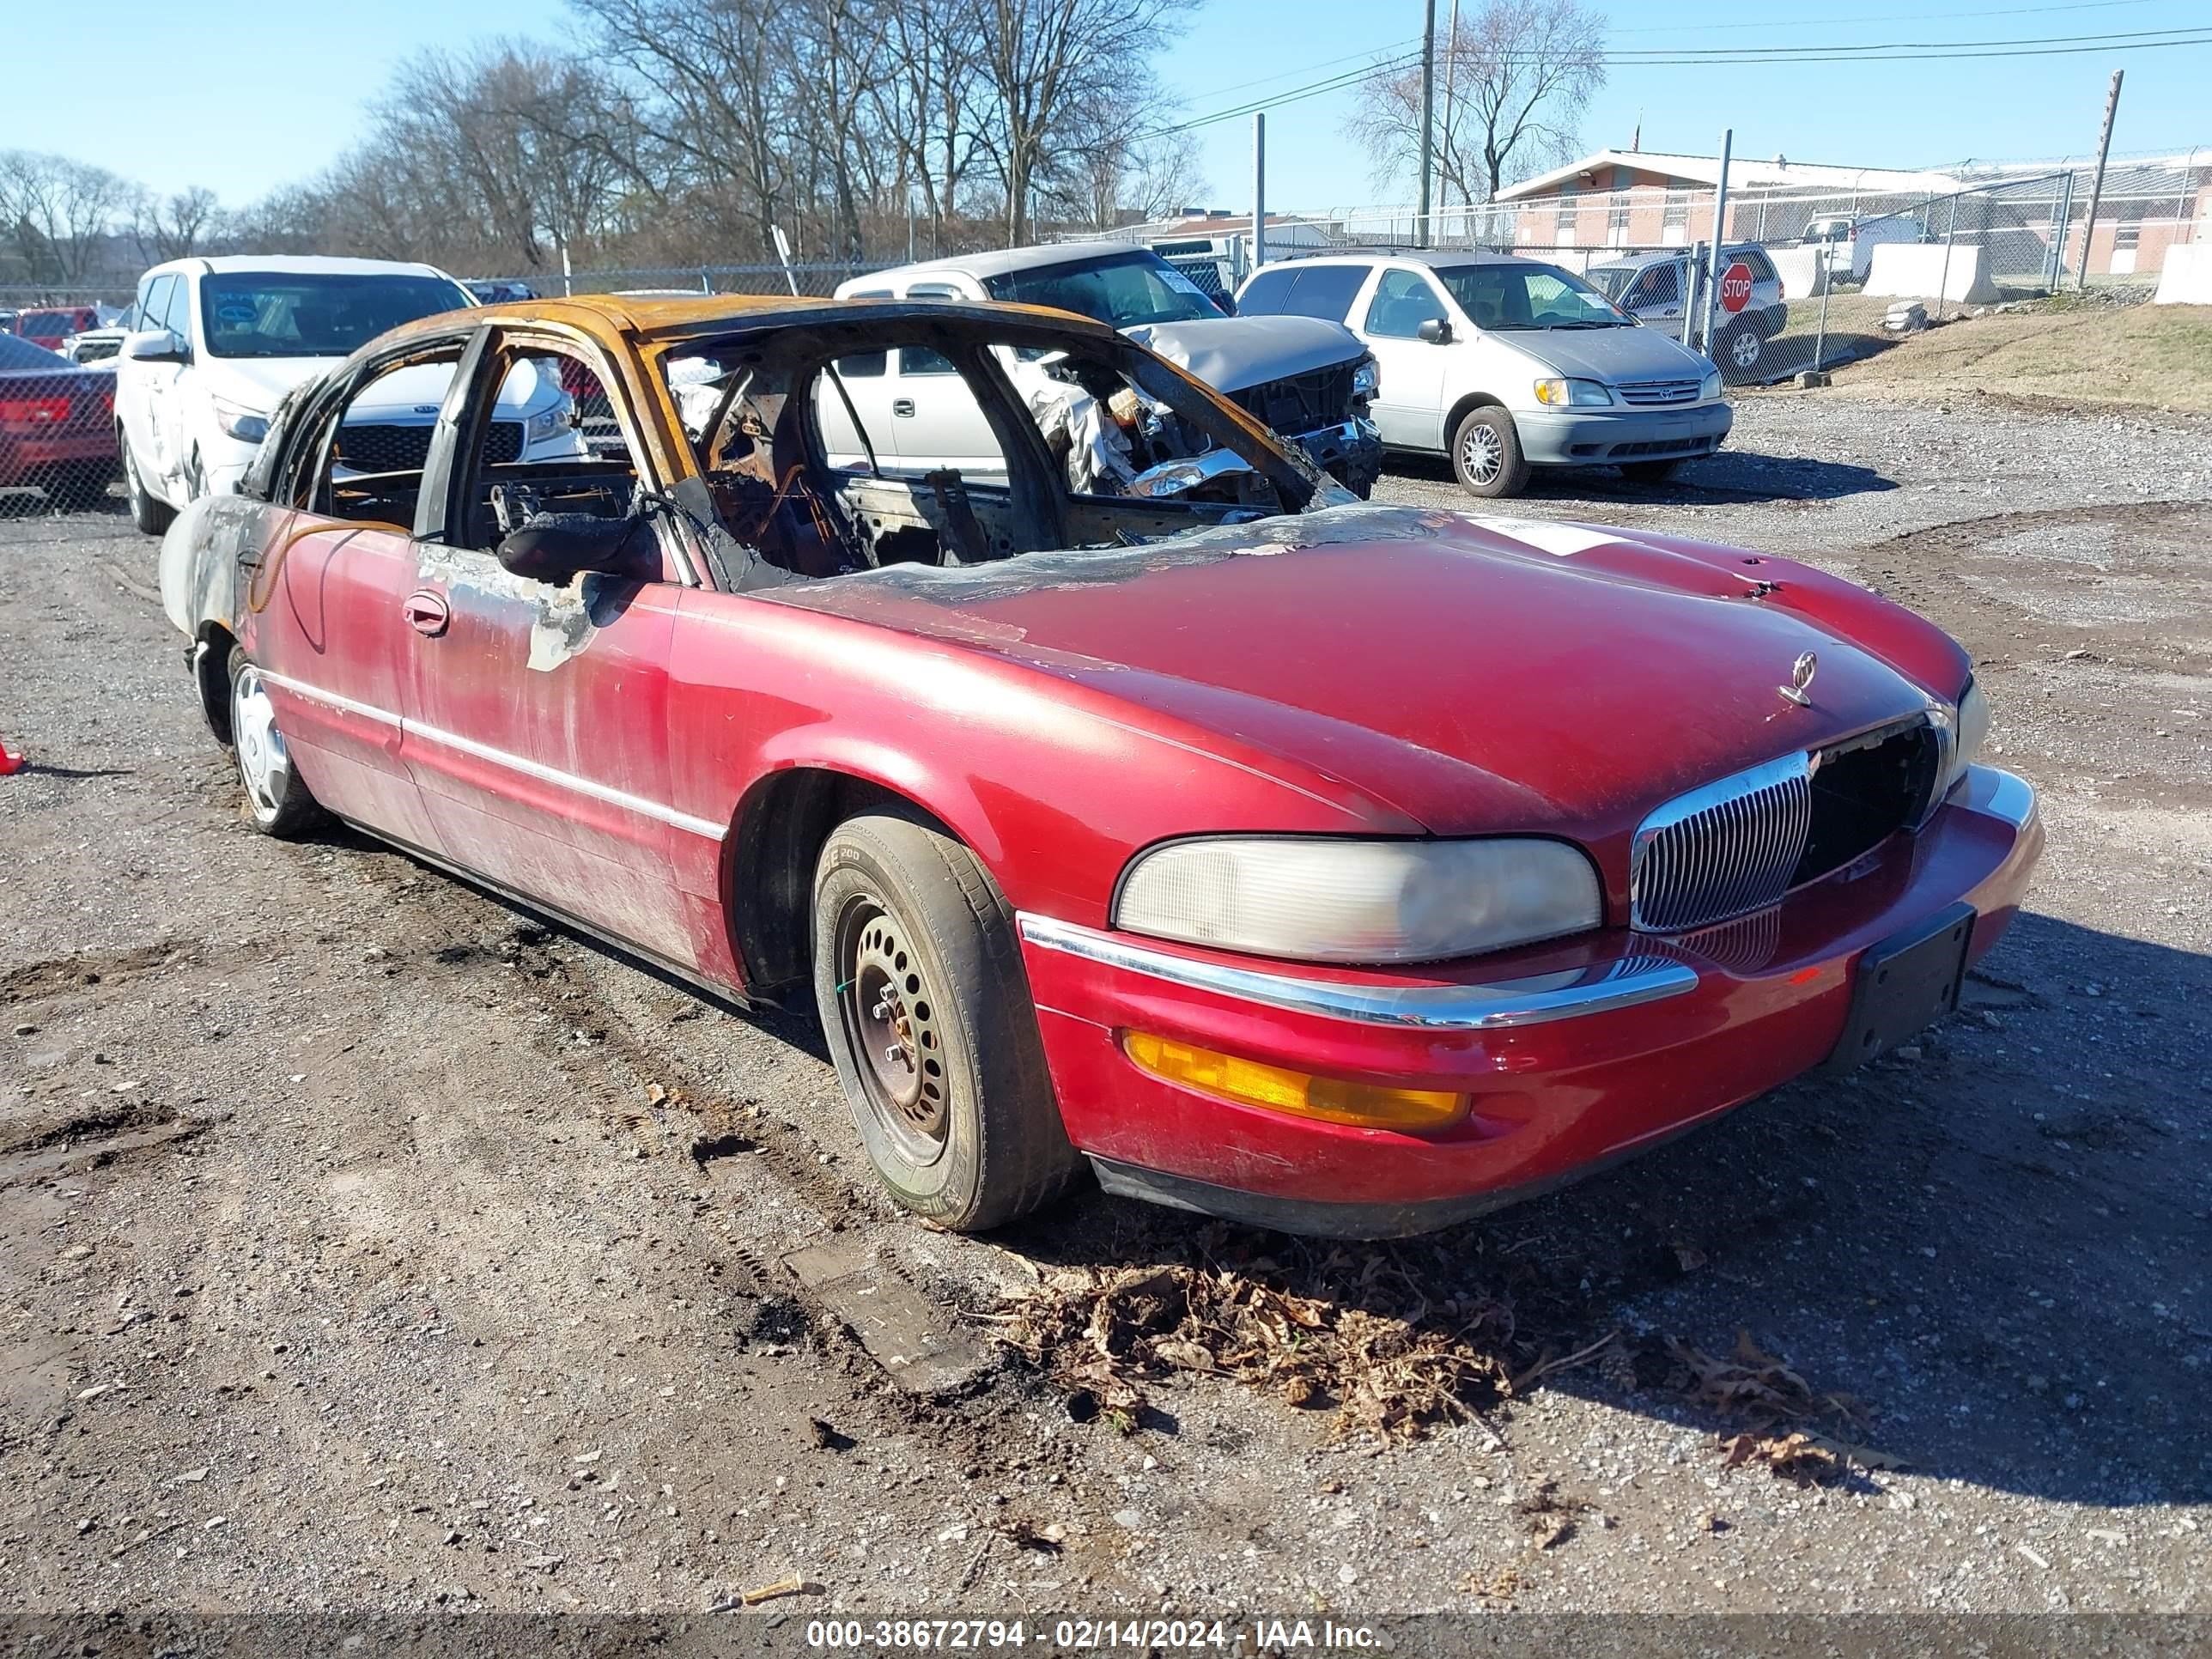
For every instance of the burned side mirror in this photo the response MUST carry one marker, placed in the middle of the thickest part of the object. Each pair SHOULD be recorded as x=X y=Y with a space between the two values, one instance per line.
x=556 y=547
x=1436 y=330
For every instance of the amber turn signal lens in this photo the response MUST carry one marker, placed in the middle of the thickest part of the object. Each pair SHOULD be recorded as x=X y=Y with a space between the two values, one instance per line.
x=1252 y=1082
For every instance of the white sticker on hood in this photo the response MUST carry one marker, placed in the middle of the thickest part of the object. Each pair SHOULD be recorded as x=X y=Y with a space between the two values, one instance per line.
x=1550 y=535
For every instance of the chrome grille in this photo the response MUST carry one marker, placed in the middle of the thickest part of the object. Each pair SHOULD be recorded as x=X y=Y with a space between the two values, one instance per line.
x=1648 y=393
x=1723 y=850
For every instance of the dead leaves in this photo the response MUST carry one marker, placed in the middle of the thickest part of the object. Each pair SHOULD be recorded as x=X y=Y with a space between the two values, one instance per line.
x=1388 y=1363
x=1755 y=1384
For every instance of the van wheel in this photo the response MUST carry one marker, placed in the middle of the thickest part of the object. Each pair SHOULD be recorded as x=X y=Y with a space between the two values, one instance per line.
x=150 y=514
x=1486 y=453
x=918 y=979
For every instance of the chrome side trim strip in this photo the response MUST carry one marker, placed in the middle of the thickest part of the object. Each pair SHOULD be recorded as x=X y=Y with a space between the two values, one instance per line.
x=2001 y=794
x=1506 y=1004
x=315 y=693
x=528 y=768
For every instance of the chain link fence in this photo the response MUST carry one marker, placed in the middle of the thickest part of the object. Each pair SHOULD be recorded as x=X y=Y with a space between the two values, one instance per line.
x=59 y=443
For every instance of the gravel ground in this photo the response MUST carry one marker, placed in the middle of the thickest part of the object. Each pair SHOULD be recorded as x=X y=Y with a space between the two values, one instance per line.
x=367 y=1246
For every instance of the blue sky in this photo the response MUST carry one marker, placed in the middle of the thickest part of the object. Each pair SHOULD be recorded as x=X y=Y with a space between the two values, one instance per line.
x=241 y=94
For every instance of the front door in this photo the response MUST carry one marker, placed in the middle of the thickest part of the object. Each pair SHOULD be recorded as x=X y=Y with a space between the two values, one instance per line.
x=537 y=713
x=326 y=609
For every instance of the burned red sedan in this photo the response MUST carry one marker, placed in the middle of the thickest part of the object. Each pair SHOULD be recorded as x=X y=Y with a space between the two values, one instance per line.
x=1127 y=794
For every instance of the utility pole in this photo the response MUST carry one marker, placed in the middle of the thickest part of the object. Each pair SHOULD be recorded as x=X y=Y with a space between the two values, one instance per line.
x=1428 y=115
x=1451 y=46
x=2097 y=185
x=1259 y=189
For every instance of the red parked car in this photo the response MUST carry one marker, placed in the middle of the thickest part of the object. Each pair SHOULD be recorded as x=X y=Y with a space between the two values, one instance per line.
x=56 y=424
x=50 y=326
x=1140 y=796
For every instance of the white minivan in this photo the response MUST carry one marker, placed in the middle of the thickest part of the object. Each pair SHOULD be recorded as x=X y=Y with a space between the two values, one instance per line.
x=219 y=342
x=1504 y=364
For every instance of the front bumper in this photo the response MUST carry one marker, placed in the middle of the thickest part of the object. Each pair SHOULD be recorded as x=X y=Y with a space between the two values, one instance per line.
x=1600 y=437
x=1350 y=451
x=1574 y=1055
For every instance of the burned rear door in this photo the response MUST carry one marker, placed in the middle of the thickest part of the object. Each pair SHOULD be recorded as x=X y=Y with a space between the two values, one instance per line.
x=538 y=714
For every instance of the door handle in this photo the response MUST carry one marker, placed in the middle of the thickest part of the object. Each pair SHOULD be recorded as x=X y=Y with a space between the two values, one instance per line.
x=901 y=405
x=427 y=612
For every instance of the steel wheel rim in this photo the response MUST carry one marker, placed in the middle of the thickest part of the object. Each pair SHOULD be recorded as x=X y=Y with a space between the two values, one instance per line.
x=1482 y=454
x=265 y=765
x=1745 y=350
x=891 y=1026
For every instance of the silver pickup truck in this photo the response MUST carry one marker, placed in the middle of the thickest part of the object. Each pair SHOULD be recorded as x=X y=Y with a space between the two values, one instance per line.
x=1310 y=379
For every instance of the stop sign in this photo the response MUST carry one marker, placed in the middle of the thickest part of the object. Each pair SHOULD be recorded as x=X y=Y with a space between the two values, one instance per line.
x=1735 y=287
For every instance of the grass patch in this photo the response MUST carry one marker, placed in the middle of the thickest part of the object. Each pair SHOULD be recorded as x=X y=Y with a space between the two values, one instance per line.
x=2142 y=356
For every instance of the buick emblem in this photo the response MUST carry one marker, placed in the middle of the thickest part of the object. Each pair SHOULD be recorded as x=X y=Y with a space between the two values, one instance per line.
x=1801 y=676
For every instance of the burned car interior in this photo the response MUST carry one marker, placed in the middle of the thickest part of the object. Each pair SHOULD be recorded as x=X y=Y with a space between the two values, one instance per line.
x=1118 y=452
x=1109 y=447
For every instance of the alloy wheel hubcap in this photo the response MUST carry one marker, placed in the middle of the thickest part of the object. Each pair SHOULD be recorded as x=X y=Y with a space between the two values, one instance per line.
x=1746 y=350
x=891 y=1022
x=263 y=763
x=1481 y=454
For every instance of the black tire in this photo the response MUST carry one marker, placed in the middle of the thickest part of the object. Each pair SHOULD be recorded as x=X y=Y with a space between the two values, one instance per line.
x=1485 y=454
x=149 y=511
x=277 y=801
x=1741 y=350
x=927 y=1014
x=1650 y=471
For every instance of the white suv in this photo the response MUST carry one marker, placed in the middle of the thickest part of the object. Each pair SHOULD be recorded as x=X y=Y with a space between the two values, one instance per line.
x=221 y=341
x=1504 y=364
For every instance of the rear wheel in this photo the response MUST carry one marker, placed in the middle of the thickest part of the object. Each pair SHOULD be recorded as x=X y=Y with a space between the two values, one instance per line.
x=918 y=977
x=149 y=511
x=1741 y=348
x=1486 y=455
x=276 y=799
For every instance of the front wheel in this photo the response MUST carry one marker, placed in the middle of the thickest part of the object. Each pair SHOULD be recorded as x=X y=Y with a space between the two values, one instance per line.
x=918 y=976
x=277 y=798
x=1486 y=455
x=149 y=511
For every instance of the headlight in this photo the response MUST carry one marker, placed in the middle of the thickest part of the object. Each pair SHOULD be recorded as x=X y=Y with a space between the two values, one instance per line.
x=542 y=427
x=1365 y=379
x=1710 y=387
x=1314 y=900
x=1559 y=394
x=1972 y=728
x=248 y=426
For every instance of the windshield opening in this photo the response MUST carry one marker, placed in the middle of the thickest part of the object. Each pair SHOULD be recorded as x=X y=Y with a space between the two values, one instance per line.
x=1527 y=295
x=1124 y=290
x=251 y=314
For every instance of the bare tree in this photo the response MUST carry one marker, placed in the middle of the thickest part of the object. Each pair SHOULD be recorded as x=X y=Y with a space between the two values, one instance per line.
x=1522 y=72
x=57 y=212
x=1046 y=62
x=170 y=228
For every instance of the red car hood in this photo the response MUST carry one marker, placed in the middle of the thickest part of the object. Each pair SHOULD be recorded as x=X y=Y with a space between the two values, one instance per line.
x=1472 y=674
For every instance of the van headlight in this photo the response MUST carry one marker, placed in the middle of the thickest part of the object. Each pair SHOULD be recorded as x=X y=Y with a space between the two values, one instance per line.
x=546 y=424
x=1559 y=394
x=248 y=426
x=1315 y=900
x=1710 y=387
